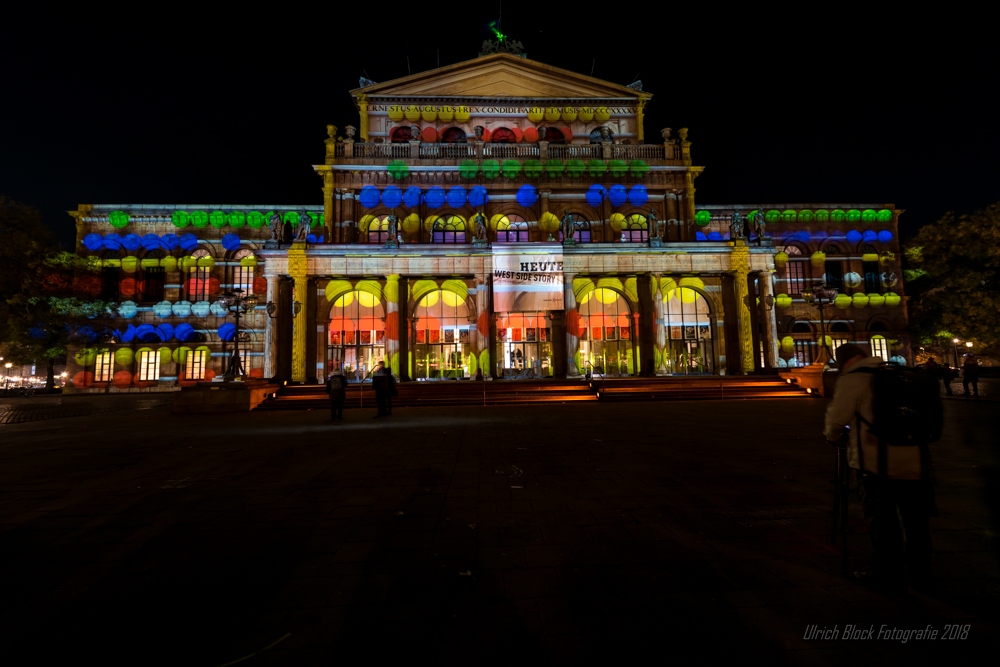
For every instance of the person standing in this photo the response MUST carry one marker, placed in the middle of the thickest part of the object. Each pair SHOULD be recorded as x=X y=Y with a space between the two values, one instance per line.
x=897 y=501
x=940 y=372
x=380 y=382
x=336 y=387
x=390 y=391
x=970 y=373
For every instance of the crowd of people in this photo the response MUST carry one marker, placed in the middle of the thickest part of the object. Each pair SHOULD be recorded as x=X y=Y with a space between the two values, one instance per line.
x=947 y=374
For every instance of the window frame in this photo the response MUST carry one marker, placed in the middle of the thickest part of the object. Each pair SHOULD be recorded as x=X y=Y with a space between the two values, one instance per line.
x=149 y=364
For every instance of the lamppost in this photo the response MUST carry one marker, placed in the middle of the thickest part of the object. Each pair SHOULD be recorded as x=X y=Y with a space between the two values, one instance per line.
x=239 y=305
x=955 y=342
x=6 y=379
x=821 y=295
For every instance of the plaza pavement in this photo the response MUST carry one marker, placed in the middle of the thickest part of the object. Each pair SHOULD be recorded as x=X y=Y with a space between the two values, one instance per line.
x=562 y=534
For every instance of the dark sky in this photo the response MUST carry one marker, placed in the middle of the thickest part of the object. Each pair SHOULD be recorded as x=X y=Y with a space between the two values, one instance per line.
x=208 y=108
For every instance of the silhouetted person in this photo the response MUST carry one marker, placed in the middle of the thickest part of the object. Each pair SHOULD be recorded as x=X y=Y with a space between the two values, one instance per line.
x=941 y=372
x=380 y=382
x=970 y=373
x=897 y=503
x=336 y=386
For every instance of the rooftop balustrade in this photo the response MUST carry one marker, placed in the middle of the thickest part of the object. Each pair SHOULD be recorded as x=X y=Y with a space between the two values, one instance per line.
x=415 y=152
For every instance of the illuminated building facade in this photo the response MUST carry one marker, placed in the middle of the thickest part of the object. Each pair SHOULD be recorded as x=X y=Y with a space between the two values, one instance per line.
x=442 y=246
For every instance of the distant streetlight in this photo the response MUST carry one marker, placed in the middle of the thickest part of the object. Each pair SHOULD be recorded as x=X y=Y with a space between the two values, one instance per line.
x=968 y=343
x=955 y=342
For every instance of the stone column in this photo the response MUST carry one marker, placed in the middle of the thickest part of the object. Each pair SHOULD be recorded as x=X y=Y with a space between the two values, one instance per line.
x=572 y=326
x=404 y=329
x=300 y=323
x=335 y=223
x=347 y=216
x=543 y=200
x=767 y=314
x=661 y=331
x=392 y=322
x=271 y=329
x=741 y=267
x=481 y=339
x=329 y=202
x=673 y=228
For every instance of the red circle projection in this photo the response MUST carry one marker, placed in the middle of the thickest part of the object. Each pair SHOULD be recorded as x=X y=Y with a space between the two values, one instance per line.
x=531 y=135
x=122 y=379
x=83 y=379
x=392 y=326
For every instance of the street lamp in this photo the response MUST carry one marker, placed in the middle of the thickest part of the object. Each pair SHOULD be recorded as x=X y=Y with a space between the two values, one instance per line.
x=821 y=295
x=239 y=305
x=955 y=342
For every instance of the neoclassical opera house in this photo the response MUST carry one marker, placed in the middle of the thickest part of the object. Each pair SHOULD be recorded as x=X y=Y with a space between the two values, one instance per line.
x=495 y=217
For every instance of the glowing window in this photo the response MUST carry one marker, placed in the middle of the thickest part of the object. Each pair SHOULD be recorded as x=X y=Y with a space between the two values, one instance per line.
x=689 y=332
x=634 y=229
x=880 y=348
x=243 y=275
x=198 y=279
x=103 y=367
x=449 y=229
x=795 y=277
x=442 y=346
x=149 y=365
x=512 y=229
x=582 y=229
x=195 y=369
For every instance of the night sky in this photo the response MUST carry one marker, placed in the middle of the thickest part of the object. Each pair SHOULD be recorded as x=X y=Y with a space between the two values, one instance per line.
x=213 y=109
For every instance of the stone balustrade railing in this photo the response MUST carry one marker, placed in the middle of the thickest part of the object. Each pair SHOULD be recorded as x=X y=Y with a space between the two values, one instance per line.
x=372 y=153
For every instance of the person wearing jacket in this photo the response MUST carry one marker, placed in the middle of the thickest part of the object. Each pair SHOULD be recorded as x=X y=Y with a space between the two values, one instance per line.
x=381 y=382
x=336 y=386
x=970 y=374
x=897 y=501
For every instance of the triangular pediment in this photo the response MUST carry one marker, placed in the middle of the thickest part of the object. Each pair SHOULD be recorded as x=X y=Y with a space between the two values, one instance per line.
x=500 y=76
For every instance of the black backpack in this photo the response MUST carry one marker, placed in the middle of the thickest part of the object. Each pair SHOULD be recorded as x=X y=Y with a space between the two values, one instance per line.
x=907 y=406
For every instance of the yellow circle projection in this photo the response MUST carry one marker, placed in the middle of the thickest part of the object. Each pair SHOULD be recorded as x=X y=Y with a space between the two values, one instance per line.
x=869 y=257
x=248 y=261
x=783 y=301
x=165 y=354
x=344 y=301
x=396 y=113
x=429 y=114
x=535 y=114
x=116 y=263
x=842 y=301
x=410 y=223
x=149 y=263
x=549 y=222
x=585 y=298
x=367 y=299
x=667 y=287
x=606 y=296
x=818 y=258
x=123 y=356
x=632 y=289
x=611 y=283
x=892 y=299
x=169 y=264
x=617 y=221
x=180 y=355
x=471 y=362
x=422 y=287
x=458 y=287
x=429 y=222
x=336 y=287
x=688 y=295
x=412 y=113
x=552 y=114
x=569 y=114
x=394 y=363
x=601 y=114
x=788 y=344
x=431 y=299
x=860 y=300
x=451 y=299
x=462 y=114
x=364 y=224
x=781 y=259
x=130 y=264
x=586 y=114
x=445 y=114
x=86 y=357
x=875 y=300
x=206 y=262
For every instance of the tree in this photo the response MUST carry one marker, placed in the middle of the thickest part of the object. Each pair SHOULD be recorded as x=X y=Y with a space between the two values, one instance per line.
x=49 y=296
x=953 y=277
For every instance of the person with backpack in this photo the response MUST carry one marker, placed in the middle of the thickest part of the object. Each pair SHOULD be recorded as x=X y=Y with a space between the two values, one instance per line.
x=336 y=387
x=888 y=415
x=970 y=373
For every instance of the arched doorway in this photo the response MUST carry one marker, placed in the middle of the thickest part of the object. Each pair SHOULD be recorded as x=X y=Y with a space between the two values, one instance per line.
x=524 y=345
x=442 y=337
x=606 y=334
x=687 y=318
x=356 y=342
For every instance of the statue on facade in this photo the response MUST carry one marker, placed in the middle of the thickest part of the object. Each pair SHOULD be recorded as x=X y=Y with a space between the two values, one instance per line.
x=655 y=226
x=736 y=226
x=568 y=225
x=276 y=226
x=392 y=225
x=480 y=223
x=305 y=222
x=759 y=225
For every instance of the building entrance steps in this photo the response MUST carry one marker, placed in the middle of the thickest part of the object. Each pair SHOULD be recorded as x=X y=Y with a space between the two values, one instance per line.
x=500 y=392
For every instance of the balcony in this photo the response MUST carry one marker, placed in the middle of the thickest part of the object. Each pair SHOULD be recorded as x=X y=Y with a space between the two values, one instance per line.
x=416 y=153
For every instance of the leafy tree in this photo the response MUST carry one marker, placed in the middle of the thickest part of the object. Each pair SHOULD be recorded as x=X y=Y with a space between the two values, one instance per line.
x=48 y=297
x=952 y=272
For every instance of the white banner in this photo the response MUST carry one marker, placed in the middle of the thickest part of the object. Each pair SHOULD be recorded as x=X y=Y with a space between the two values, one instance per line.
x=527 y=281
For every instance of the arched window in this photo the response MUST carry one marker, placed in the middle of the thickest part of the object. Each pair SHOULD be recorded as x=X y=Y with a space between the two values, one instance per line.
x=449 y=229
x=832 y=249
x=839 y=335
x=400 y=135
x=512 y=229
x=794 y=270
x=689 y=332
x=606 y=333
x=453 y=135
x=595 y=135
x=791 y=250
x=801 y=327
x=880 y=348
x=443 y=346
x=243 y=275
x=153 y=279
x=582 y=229
x=554 y=136
x=503 y=135
x=634 y=229
x=357 y=334
x=198 y=283
x=378 y=228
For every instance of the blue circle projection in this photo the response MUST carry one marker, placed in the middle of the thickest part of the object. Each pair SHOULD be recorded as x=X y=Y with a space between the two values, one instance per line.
x=146 y=333
x=714 y=236
x=527 y=195
x=227 y=331
x=112 y=241
x=127 y=310
x=169 y=242
x=412 y=196
x=369 y=196
x=128 y=335
x=617 y=195
x=93 y=242
x=700 y=236
x=638 y=196
x=478 y=196
x=456 y=197
x=392 y=196
x=231 y=241
x=435 y=197
x=189 y=242
x=885 y=236
x=151 y=242
x=165 y=331
x=854 y=236
x=596 y=194
x=819 y=236
x=869 y=236
x=132 y=242
x=184 y=332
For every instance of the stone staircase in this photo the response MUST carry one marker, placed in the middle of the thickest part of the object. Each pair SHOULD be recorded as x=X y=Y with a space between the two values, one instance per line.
x=507 y=392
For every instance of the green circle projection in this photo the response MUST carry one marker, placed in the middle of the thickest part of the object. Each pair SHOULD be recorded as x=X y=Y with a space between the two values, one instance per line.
x=838 y=216
x=180 y=219
x=198 y=218
x=772 y=217
x=575 y=168
x=256 y=219
x=217 y=219
x=638 y=167
x=885 y=215
x=596 y=167
x=854 y=215
x=490 y=168
x=468 y=169
x=554 y=167
x=617 y=167
x=805 y=216
x=821 y=216
x=119 y=219
x=237 y=219
x=702 y=218
x=532 y=168
x=398 y=169
x=511 y=168
x=314 y=219
x=869 y=215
